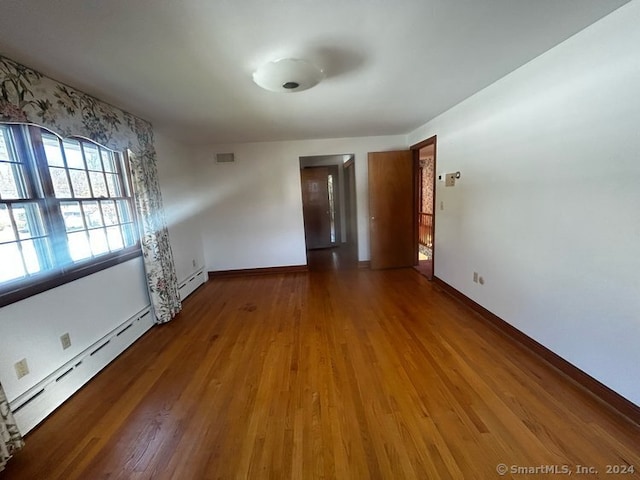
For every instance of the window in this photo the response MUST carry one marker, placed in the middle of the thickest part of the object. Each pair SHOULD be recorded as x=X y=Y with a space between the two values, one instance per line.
x=65 y=210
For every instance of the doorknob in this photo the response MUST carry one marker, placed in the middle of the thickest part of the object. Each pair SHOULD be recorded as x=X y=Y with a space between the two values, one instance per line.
x=373 y=218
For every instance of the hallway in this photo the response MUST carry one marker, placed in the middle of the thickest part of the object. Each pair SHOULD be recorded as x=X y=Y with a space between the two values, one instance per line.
x=344 y=257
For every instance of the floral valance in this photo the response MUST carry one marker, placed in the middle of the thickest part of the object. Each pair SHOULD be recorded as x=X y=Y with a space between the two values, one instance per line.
x=28 y=96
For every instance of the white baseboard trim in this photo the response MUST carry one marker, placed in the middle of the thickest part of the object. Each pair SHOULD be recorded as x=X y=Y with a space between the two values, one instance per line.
x=37 y=403
x=191 y=283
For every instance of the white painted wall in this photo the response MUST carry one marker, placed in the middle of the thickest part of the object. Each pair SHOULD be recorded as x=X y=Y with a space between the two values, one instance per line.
x=252 y=209
x=87 y=309
x=548 y=206
x=176 y=172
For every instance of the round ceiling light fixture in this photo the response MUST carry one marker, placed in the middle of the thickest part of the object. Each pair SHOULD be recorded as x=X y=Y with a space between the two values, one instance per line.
x=288 y=75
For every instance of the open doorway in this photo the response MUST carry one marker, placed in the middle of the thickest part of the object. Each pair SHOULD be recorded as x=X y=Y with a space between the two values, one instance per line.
x=329 y=211
x=425 y=167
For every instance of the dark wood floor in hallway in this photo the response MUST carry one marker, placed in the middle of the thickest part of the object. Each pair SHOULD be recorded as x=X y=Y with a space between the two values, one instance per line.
x=353 y=374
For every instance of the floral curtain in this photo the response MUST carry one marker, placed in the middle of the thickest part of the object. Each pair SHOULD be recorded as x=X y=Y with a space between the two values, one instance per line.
x=26 y=96
x=10 y=438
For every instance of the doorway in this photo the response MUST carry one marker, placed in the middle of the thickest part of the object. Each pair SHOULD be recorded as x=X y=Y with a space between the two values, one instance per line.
x=329 y=211
x=424 y=154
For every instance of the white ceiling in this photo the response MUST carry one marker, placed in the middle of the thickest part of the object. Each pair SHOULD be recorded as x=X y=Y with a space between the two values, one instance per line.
x=186 y=65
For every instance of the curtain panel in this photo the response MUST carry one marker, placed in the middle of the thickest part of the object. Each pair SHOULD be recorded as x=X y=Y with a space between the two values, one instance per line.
x=10 y=438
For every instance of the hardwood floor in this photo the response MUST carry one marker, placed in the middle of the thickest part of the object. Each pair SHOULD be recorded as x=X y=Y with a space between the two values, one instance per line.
x=344 y=257
x=351 y=374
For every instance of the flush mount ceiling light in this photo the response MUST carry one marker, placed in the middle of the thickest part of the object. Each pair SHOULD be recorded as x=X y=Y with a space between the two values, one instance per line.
x=288 y=75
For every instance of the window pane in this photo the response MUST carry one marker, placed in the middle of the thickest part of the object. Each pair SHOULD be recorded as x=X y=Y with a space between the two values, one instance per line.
x=60 y=182
x=72 y=216
x=98 y=185
x=52 y=150
x=4 y=143
x=12 y=181
x=98 y=240
x=92 y=214
x=124 y=211
x=12 y=267
x=6 y=229
x=128 y=234
x=109 y=212
x=80 y=183
x=30 y=256
x=83 y=177
x=73 y=154
x=92 y=155
x=108 y=161
x=28 y=220
x=79 y=246
x=114 y=185
x=114 y=236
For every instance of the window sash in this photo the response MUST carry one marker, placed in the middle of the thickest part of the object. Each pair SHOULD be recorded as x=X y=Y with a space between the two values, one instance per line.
x=48 y=249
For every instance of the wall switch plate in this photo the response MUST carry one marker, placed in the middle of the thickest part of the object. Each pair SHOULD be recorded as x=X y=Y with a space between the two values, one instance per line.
x=481 y=280
x=66 y=341
x=475 y=277
x=450 y=180
x=194 y=263
x=22 y=368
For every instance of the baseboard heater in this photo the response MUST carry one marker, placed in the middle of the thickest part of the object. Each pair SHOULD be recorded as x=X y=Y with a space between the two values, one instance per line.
x=191 y=283
x=38 y=402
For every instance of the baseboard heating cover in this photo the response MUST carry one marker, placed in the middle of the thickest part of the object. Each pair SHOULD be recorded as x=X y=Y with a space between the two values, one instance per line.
x=37 y=403
x=191 y=283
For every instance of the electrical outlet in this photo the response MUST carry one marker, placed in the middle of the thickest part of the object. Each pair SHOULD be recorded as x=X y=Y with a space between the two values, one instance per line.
x=450 y=180
x=22 y=368
x=441 y=205
x=475 y=277
x=481 y=280
x=66 y=341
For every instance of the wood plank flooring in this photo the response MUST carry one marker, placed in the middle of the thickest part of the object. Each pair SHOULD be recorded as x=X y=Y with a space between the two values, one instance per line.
x=353 y=374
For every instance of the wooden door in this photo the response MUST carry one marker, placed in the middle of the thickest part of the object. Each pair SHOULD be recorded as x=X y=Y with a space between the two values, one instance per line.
x=315 y=207
x=392 y=210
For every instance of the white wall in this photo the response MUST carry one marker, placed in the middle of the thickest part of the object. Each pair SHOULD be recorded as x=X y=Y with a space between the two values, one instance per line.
x=176 y=172
x=548 y=206
x=252 y=209
x=87 y=309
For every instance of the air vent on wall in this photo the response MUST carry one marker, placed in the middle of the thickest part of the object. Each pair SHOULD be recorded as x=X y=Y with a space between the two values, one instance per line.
x=225 y=158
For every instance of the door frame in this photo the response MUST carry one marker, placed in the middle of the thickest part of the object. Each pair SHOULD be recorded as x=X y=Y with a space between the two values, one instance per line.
x=350 y=205
x=338 y=160
x=416 y=207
